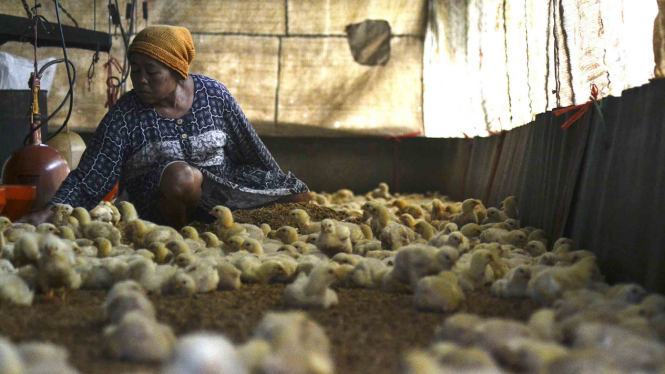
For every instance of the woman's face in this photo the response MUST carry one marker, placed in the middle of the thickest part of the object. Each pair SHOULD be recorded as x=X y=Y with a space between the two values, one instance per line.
x=152 y=80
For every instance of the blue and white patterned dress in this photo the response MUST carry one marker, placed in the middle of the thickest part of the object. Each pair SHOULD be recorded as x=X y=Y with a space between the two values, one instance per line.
x=133 y=144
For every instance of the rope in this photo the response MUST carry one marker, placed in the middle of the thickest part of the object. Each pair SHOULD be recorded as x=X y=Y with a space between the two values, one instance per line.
x=112 y=83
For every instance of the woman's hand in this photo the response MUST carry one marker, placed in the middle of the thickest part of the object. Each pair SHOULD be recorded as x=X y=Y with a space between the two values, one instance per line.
x=38 y=218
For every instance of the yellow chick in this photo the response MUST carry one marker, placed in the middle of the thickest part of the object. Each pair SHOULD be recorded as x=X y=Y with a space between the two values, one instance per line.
x=16 y=230
x=229 y=277
x=188 y=232
x=102 y=213
x=14 y=291
x=459 y=328
x=253 y=246
x=438 y=293
x=287 y=234
x=535 y=248
x=204 y=274
x=494 y=216
x=395 y=236
x=177 y=246
x=26 y=249
x=425 y=230
x=11 y=361
x=471 y=230
x=312 y=291
x=164 y=234
x=151 y=276
x=540 y=236
x=544 y=326
x=119 y=304
x=254 y=271
x=468 y=214
x=225 y=222
x=211 y=240
x=98 y=229
x=367 y=273
x=138 y=338
x=509 y=207
x=182 y=284
x=408 y=220
x=56 y=266
x=162 y=254
x=514 y=284
x=334 y=238
x=204 y=353
x=127 y=212
x=473 y=277
x=550 y=284
x=305 y=226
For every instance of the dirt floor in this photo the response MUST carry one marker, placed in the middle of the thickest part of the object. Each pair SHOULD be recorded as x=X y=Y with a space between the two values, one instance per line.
x=369 y=330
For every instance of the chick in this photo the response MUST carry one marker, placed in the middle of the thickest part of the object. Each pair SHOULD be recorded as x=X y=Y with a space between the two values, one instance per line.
x=102 y=213
x=381 y=217
x=229 y=277
x=438 y=293
x=514 y=284
x=395 y=236
x=550 y=284
x=544 y=327
x=540 y=236
x=164 y=234
x=162 y=254
x=494 y=216
x=16 y=230
x=151 y=276
x=473 y=277
x=26 y=249
x=416 y=261
x=411 y=209
x=10 y=358
x=425 y=230
x=204 y=274
x=367 y=273
x=334 y=238
x=535 y=248
x=138 y=338
x=509 y=207
x=14 y=291
x=56 y=266
x=211 y=240
x=470 y=230
x=177 y=247
x=459 y=328
x=119 y=304
x=287 y=234
x=468 y=214
x=225 y=222
x=204 y=353
x=181 y=284
x=312 y=291
x=127 y=212
x=97 y=229
x=254 y=271
x=305 y=226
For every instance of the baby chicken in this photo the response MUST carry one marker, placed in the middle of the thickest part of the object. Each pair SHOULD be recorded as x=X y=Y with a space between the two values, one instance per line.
x=535 y=248
x=334 y=238
x=312 y=291
x=367 y=273
x=471 y=230
x=287 y=234
x=458 y=328
x=127 y=212
x=473 y=276
x=10 y=359
x=204 y=274
x=56 y=266
x=151 y=276
x=550 y=284
x=509 y=207
x=181 y=284
x=229 y=276
x=164 y=234
x=120 y=303
x=211 y=240
x=544 y=327
x=438 y=293
x=513 y=284
x=468 y=214
x=395 y=236
x=305 y=226
x=204 y=353
x=138 y=338
x=14 y=291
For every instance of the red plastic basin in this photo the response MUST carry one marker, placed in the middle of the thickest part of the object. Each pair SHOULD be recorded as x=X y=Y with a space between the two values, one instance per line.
x=3 y=201
x=19 y=199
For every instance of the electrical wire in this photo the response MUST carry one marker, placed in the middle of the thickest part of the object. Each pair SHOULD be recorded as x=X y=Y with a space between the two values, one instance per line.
x=69 y=75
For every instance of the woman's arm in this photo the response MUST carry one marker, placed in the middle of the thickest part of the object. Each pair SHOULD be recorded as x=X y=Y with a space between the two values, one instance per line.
x=247 y=147
x=100 y=165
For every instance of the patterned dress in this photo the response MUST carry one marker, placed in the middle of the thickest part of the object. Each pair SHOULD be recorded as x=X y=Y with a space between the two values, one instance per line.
x=133 y=144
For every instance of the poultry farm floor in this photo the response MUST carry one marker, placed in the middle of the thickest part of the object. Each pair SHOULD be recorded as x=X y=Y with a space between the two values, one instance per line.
x=369 y=330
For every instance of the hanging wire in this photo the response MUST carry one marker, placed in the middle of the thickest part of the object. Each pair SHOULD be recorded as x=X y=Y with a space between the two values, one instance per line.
x=95 y=56
x=67 y=14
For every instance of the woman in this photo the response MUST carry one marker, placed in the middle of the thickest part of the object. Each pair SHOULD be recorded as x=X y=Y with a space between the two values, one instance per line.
x=178 y=143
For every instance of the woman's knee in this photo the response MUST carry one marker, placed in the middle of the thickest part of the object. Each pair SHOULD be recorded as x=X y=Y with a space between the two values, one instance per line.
x=180 y=180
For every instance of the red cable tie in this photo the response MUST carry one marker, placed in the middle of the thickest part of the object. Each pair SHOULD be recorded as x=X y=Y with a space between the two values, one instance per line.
x=583 y=108
x=398 y=137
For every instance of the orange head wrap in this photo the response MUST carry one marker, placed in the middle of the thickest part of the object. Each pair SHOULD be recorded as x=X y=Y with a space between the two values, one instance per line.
x=171 y=45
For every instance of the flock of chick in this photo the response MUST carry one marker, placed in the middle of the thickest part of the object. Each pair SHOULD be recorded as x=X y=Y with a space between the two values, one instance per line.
x=439 y=251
